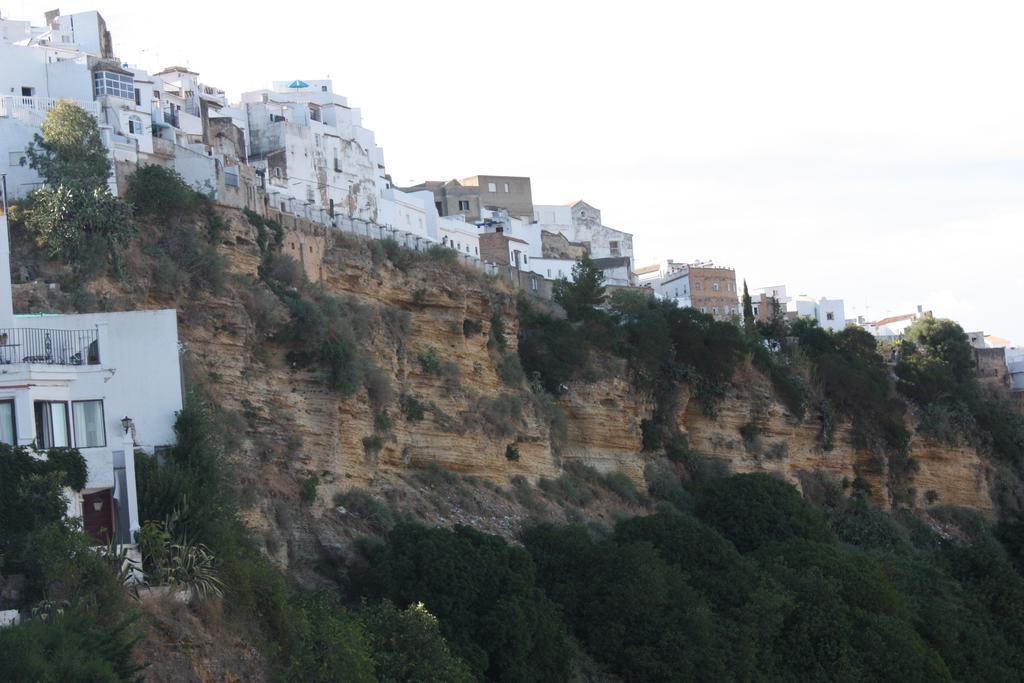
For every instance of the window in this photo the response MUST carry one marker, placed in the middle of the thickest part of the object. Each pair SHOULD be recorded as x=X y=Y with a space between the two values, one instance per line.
x=463 y=205
x=696 y=285
x=134 y=125
x=138 y=97
x=323 y=88
x=714 y=310
x=110 y=83
x=714 y=285
x=830 y=316
x=17 y=158
x=703 y=309
x=27 y=92
x=89 y=430
x=277 y=172
x=613 y=248
x=52 y=426
x=491 y=187
x=533 y=284
x=524 y=259
x=549 y=273
x=506 y=187
x=8 y=430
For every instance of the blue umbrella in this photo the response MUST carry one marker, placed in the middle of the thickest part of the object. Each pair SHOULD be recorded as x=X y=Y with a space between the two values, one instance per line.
x=298 y=84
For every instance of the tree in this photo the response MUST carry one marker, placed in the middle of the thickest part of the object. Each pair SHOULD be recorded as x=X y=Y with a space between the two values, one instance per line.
x=75 y=217
x=585 y=293
x=752 y=510
x=31 y=492
x=484 y=594
x=748 y=311
x=70 y=151
x=82 y=225
x=407 y=645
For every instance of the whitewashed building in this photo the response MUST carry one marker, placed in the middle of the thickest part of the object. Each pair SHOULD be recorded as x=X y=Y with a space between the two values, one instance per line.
x=829 y=313
x=581 y=224
x=316 y=157
x=38 y=67
x=104 y=383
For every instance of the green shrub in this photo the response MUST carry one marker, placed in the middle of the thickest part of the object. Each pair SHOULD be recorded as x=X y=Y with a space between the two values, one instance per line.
x=568 y=489
x=471 y=327
x=69 y=646
x=372 y=445
x=512 y=452
x=502 y=414
x=664 y=484
x=855 y=381
x=754 y=509
x=437 y=253
x=360 y=503
x=430 y=361
x=510 y=371
x=307 y=489
x=412 y=408
x=162 y=194
x=622 y=486
x=382 y=422
x=751 y=434
x=407 y=645
x=483 y=593
x=496 y=334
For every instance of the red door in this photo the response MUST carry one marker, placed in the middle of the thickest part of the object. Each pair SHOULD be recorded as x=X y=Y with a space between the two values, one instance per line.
x=98 y=515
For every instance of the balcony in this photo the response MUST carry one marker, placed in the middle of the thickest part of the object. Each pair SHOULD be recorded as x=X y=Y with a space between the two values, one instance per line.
x=49 y=347
x=11 y=105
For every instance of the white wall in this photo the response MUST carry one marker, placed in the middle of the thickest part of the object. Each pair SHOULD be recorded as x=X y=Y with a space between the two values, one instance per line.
x=459 y=235
x=552 y=268
x=142 y=349
x=829 y=313
x=138 y=376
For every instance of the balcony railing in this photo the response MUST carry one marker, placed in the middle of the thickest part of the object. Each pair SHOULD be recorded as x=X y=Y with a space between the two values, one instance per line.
x=42 y=105
x=49 y=347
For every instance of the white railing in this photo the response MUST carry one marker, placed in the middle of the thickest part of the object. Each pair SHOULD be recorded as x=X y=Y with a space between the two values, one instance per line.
x=11 y=104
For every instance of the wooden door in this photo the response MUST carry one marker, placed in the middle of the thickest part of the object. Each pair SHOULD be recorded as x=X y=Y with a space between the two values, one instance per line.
x=98 y=515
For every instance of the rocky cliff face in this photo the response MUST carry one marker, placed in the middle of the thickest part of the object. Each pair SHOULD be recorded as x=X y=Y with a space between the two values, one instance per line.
x=289 y=427
x=779 y=443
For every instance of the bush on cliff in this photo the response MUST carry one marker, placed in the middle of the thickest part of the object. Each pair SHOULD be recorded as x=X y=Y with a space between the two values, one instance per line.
x=484 y=594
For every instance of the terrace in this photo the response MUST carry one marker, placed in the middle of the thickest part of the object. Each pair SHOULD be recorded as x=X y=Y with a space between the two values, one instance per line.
x=49 y=347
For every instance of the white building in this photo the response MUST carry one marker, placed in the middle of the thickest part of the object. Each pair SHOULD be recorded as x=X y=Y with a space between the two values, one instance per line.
x=72 y=380
x=459 y=235
x=317 y=158
x=829 y=313
x=580 y=223
x=38 y=67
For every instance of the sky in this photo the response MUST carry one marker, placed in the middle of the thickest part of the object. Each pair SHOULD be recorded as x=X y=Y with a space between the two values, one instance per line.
x=868 y=151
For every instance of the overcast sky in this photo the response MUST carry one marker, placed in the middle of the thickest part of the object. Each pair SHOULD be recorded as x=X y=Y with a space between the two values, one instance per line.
x=869 y=151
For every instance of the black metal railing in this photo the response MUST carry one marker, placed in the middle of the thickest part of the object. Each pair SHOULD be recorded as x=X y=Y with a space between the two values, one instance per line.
x=51 y=347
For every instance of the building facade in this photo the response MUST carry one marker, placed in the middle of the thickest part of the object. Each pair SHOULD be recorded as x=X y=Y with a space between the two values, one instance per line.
x=104 y=383
x=472 y=198
x=829 y=313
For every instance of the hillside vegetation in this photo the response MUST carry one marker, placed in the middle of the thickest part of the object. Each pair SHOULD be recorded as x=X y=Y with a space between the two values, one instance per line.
x=395 y=568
